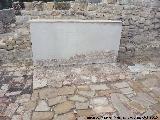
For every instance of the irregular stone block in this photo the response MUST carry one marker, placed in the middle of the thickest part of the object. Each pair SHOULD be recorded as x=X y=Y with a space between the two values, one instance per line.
x=38 y=6
x=17 y=7
x=28 y=6
x=11 y=109
x=56 y=100
x=42 y=106
x=80 y=105
x=86 y=93
x=104 y=109
x=50 y=6
x=8 y=16
x=78 y=98
x=34 y=4
x=86 y=112
x=67 y=116
x=121 y=108
x=64 y=107
x=62 y=6
x=92 y=7
x=42 y=115
x=99 y=87
x=99 y=101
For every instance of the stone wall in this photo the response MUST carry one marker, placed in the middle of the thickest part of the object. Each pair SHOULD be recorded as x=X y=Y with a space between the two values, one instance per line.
x=141 y=23
x=7 y=17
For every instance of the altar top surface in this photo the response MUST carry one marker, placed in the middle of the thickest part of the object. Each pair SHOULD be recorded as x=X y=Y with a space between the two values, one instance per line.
x=74 y=21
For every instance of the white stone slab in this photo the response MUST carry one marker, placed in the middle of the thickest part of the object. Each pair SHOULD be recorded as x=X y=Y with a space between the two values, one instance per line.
x=62 y=39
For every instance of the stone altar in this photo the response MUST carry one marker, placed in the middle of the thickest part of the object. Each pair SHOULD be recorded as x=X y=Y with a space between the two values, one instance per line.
x=62 y=39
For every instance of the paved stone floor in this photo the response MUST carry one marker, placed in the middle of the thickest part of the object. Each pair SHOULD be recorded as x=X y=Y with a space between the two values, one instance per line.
x=77 y=92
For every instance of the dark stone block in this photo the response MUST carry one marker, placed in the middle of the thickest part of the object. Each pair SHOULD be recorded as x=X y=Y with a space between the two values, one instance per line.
x=62 y=6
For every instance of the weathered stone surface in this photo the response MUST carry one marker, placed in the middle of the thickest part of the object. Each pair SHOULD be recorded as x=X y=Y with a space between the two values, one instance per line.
x=42 y=106
x=99 y=87
x=5 y=87
x=30 y=105
x=67 y=116
x=35 y=95
x=6 y=19
x=2 y=93
x=39 y=83
x=23 y=98
x=28 y=6
x=149 y=112
x=50 y=6
x=106 y=93
x=156 y=90
x=99 y=101
x=13 y=93
x=83 y=87
x=56 y=100
x=16 y=117
x=104 y=109
x=120 y=107
x=2 y=45
x=66 y=90
x=1 y=27
x=137 y=86
x=2 y=108
x=42 y=115
x=78 y=98
x=127 y=90
x=11 y=109
x=111 y=1
x=91 y=7
x=121 y=85
x=144 y=99
x=137 y=107
x=54 y=83
x=81 y=118
x=62 y=6
x=156 y=107
x=80 y=105
x=64 y=107
x=27 y=115
x=123 y=98
x=87 y=112
x=48 y=93
x=20 y=110
x=86 y=93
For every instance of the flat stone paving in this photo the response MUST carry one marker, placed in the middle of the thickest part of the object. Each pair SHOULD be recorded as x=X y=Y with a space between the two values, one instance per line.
x=77 y=92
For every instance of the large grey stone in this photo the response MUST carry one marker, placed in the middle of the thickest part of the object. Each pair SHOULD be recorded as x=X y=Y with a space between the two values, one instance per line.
x=144 y=99
x=64 y=107
x=99 y=101
x=78 y=98
x=87 y=93
x=121 y=108
x=42 y=106
x=56 y=100
x=42 y=115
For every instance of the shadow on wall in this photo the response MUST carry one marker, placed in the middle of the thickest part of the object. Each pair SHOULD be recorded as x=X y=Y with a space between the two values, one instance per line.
x=5 y=4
